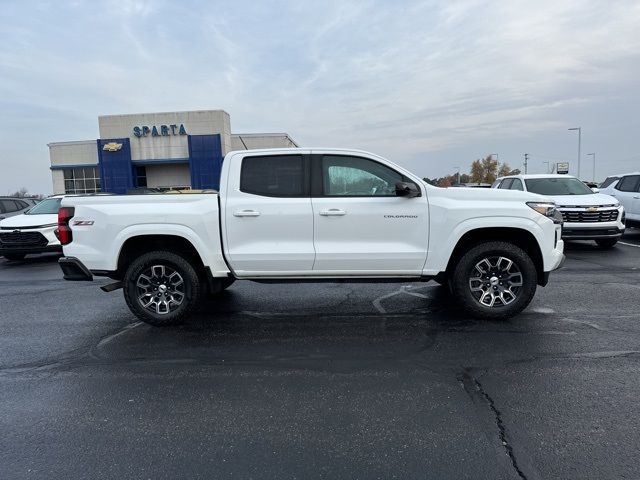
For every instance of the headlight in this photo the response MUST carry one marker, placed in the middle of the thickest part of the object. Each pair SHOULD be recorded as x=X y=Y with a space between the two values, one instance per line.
x=544 y=208
x=548 y=209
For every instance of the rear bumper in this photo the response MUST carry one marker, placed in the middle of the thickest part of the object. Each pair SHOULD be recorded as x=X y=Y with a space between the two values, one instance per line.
x=26 y=250
x=74 y=270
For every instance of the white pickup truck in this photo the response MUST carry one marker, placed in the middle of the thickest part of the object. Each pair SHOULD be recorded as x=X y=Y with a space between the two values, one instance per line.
x=312 y=215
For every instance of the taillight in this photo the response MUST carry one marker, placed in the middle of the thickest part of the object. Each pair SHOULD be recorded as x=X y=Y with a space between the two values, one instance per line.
x=63 y=232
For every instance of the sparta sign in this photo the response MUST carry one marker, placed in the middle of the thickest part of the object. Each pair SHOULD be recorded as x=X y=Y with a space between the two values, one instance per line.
x=162 y=131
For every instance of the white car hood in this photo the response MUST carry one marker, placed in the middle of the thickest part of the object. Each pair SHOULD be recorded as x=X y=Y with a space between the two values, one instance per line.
x=589 y=200
x=25 y=221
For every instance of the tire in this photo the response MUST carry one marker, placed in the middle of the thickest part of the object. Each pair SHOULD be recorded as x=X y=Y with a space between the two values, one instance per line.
x=14 y=256
x=168 y=284
x=606 y=242
x=504 y=290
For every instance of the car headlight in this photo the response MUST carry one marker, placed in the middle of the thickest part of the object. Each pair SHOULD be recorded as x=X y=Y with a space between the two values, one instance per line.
x=548 y=209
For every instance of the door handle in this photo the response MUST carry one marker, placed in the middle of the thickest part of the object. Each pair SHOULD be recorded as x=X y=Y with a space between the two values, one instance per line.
x=332 y=212
x=246 y=213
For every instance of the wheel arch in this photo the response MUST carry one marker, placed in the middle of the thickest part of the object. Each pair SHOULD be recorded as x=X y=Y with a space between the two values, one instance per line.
x=137 y=245
x=520 y=237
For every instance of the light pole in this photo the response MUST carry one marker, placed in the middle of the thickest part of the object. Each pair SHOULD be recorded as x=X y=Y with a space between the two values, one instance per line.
x=457 y=175
x=579 y=129
x=593 y=179
x=547 y=164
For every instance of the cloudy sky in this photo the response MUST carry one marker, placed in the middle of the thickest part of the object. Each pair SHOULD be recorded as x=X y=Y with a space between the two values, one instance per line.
x=432 y=85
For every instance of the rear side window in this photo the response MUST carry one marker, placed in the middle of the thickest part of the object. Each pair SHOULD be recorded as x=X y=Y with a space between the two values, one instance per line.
x=628 y=184
x=608 y=181
x=516 y=184
x=8 y=206
x=273 y=175
x=506 y=183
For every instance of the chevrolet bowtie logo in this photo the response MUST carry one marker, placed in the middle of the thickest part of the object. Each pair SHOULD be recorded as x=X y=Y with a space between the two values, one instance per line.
x=592 y=209
x=112 y=147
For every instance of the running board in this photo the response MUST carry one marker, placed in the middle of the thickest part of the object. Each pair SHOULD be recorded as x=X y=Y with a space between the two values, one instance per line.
x=111 y=287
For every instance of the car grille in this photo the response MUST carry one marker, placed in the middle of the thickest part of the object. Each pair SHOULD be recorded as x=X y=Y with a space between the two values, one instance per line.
x=580 y=216
x=15 y=239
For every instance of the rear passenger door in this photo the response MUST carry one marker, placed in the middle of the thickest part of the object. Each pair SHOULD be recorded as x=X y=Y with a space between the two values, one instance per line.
x=268 y=218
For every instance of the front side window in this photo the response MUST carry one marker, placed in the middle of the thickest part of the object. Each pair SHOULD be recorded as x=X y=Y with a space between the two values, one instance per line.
x=8 y=206
x=628 y=183
x=345 y=176
x=557 y=186
x=81 y=180
x=273 y=176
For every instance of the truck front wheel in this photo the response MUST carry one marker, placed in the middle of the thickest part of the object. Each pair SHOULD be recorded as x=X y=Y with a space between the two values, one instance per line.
x=494 y=280
x=162 y=288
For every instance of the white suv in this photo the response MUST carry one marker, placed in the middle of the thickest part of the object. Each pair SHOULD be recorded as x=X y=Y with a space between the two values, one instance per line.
x=31 y=232
x=627 y=191
x=587 y=215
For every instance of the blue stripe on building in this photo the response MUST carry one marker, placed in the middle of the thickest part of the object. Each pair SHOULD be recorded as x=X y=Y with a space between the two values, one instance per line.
x=205 y=160
x=116 y=170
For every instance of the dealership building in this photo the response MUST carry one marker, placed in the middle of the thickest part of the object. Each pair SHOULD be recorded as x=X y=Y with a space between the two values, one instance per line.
x=153 y=150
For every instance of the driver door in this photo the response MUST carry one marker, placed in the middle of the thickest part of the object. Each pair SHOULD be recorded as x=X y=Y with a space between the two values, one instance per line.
x=360 y=226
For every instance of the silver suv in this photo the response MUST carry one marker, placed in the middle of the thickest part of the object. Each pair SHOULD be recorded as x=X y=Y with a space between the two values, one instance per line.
x=11 y=206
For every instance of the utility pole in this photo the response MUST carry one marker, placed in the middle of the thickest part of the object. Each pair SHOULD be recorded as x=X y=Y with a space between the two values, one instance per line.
x=457 y=175
x=579 y=129
x=593 y=179
x=526 y=160
x=546 y=169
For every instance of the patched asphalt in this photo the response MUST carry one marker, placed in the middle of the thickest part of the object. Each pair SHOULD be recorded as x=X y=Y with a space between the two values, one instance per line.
x=324 y=380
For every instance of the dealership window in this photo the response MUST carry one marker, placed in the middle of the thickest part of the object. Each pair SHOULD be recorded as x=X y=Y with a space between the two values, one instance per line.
x=141 y=177
x=81 y=180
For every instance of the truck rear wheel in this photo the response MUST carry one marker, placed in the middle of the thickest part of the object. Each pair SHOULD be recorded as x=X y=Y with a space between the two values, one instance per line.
x=494 y=280
x=162 y=288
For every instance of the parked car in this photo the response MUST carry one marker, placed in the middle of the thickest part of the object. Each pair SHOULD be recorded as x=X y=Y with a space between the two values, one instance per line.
x=587 y=215
x=31 y=232
x=12 y=206
x=297 y=215
x=627 y=191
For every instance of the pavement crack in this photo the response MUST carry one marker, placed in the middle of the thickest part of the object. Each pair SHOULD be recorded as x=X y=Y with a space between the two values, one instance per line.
x=474 y=389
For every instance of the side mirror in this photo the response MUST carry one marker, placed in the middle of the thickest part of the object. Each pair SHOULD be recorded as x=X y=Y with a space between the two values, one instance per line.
x=407 y=189
x=595 y=189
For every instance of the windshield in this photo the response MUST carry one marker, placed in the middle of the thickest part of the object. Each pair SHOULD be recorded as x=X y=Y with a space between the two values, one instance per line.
x=48 y=206
x=557 y=186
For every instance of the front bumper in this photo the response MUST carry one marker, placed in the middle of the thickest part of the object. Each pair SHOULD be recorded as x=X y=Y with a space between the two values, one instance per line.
x=27 y=250
x=569 y=232
x=74 y=270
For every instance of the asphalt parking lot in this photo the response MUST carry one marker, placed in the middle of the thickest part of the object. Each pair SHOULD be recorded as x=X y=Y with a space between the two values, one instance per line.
x=324 y=381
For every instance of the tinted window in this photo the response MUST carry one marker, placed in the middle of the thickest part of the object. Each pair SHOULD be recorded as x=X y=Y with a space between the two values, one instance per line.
x=557 y=186
x=47 y=206
x=608 y=181
x=273 y=176
x=8 y=206
x=357 y=177
x=506 y=183
x=517 y=184
x=628 y=184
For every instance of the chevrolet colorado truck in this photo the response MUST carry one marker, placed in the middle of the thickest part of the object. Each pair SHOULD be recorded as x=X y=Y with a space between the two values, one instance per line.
x=312 y=215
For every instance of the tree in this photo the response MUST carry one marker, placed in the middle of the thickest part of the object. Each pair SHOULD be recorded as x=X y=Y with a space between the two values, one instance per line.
x=445 y=182
x=504 y=170
x=484 y=171
x=23 y=192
